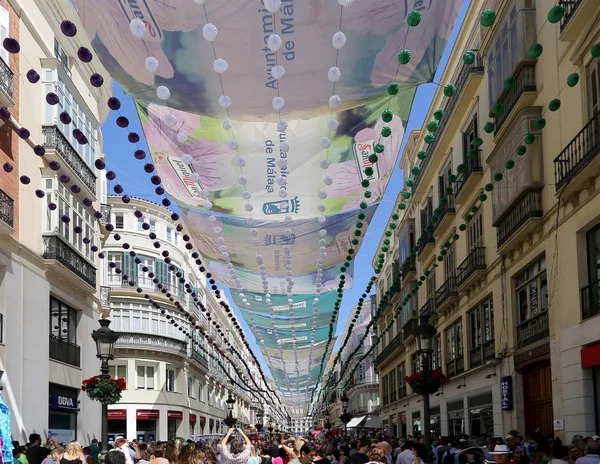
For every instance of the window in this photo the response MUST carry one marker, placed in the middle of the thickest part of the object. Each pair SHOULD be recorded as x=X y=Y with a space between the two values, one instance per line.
x=450 y=261
x=468 y=136
x=590 y=295
x=454 y=349
x=200 y=391
x=411 y=309
x=80 y=216
x=401 y=371
x=142 y=276
x=482 y=333
x=81 y=117
x=176 y=238
x=385 y=389
x=169 y=234
x=118 y=371
x=113 y=277
x=170 y=383
x=61 y=56
x=532 y=291
x=414 y=363
x=431 y=288
x=475 y=231
x=118 y=220
x=437 y=352
x=1 y=328
x=190 y=387
x=407 y=241
x=514 y=37
x=393 y=392
x=593 y=91
x=4 y=32
x=152 y=223
x=145 y=377
x=63 y=322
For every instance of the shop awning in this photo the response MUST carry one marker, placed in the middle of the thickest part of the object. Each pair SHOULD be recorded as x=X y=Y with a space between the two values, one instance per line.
x=355 y=421
x=372 y=422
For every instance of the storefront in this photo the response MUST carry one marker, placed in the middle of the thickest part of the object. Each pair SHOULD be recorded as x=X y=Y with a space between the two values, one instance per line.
x=62 y=413
x=202 y=424
x=416 y=423
x=146 y=424
x=403 y=432
x=481 y=415
x=192 y=421
x=117 y=423
x=590 y=359
x=174 y=419
x=211 y=425
x=456 y=418
x=435 y=420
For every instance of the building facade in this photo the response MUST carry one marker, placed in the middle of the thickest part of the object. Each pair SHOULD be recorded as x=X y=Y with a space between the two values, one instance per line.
x=48 y=283
x=515 y=297
x=174 y=388
x=362 y=389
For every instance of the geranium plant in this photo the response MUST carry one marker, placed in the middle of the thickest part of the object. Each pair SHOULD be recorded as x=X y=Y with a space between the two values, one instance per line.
x=103 y=389
x=428 y=382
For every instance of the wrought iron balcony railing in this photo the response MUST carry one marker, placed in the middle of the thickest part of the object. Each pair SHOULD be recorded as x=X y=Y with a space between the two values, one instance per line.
x=199 y=358
x=473 y=263
x=590 y=300
x=448 y=290
x=56 y=248
x=6 y=79
x=427 y=239
x=461 y=78
x=533 y=330
x=455 y=366
x=64 y=351
x=55 y=140
x=481 y=354
x=7 y=206
x=471 y=165
x=570 y=7
x=152 y=342
x=389 y=349
x=528 y=206
x=524 y=82
x=579 y=153
x=448 y=208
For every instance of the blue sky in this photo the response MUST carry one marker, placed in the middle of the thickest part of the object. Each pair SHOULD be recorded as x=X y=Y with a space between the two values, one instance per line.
x=119 y=157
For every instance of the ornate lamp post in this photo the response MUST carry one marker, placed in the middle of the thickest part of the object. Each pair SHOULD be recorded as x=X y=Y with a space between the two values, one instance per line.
x=346 y=416
x=230 y=421
x=105 y=339
x=424 y=334
x=259 y=418
x=327 y=421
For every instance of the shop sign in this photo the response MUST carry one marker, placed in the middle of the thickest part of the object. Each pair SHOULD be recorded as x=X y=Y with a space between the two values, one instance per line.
x=147 y=414
x=193 y=418
x=506 y=393
x=175 y=415
x=117 y=414
x=63 y=402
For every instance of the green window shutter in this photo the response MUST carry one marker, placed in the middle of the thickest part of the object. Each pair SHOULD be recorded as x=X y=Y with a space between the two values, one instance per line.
x=161 y=271
x=128 y=266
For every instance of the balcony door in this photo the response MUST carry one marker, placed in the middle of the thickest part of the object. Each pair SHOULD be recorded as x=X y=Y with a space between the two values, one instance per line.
x=593 y=79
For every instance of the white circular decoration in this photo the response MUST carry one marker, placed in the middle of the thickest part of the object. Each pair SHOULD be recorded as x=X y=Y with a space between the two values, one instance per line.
x=284 y=147
x=210 y=32
x=282 y=125
x=242 y=180
x=163 y=92
x=272 y=5
x=151 y=64
x=224 y=101
x=345 y=3
x=220 y=65
x=248 y=207
x=246 y=195
x=334 y=102
x=281 y=180
x=322 y=219
x=322 y=194
x=182 y=137
x=277 y=72
x=338 y=40
x=283 y=193
x=195 y=176
x=232 y=144
x=187 y=158
x=227 y=124
x=325 y=142
x=334 y=74
x=278 y=103
x=321 y=208
x=137 y=27
x=170 y=119
x=324 y=163
x=241 y=162
x=274 y=42
x=328 y=180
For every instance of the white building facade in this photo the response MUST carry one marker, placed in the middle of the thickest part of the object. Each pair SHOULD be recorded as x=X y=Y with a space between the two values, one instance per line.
x=48 y=277
x=174 y=388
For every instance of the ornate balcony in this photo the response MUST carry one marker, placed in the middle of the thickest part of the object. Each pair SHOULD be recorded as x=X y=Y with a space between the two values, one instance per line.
x=533 y=330
x=58 y=250
x=464 y=179
x=197 y=357
x=389 y=349
x=54 y=140
x=410 y=270
x=6 y=85
x=519 y=96
x=455 y=366
x=471 y=266
x=148 y=341
x=445 y=214
x=578 y=16
x=63 y=351
x=446 y=294
x=427 y=241
x=590 y=300
x=6 y=212
x=520 y=218
x=580 y=154
x=146 y=284
x=429 y=307
x=481 y=354
x=466 y=81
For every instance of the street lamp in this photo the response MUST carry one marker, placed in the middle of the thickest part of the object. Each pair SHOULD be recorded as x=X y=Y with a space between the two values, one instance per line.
x=327 y=421
x=105 y=339
x=230 y=421
x=424 y=334
x=346 y=416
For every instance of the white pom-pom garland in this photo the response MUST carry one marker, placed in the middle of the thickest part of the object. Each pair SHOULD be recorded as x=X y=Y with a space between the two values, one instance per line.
x=338 y=40
x=210 y=32
x=187 y=158
x=170 y=119
x=277 y=72
x=224 y=101
x=233 y=144
x=163 y=92
x=182 y=137
x=334 y=74
x=278 y=103
x=325 y=142
x=272 y=5
x=227 y=124
x=220 y=65
x=282 y=125
x=137 y=27
x=324 y=163
x=151 y=64
x=333 y=124
x=274 y=42
x=334 y=102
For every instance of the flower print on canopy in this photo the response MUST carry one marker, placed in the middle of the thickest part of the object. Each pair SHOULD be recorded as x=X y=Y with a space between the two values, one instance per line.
x=109 y=21
x=346 y=177
x=212 y=160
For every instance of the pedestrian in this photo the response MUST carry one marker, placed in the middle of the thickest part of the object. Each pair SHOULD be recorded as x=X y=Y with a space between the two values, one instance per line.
x=239 y=450
x=360 y=457
x=73 y=454
x=19 y=455
x=54 y=456
x=36 y=453
x=114 y=458
x=592 y=454
x=377 y=455
x=86 y=455
x=420 y=453
x=94 y=450
x=308 y=452
x=500 y=454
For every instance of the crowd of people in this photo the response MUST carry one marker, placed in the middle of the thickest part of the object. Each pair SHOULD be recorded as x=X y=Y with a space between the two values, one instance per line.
x=236 y=448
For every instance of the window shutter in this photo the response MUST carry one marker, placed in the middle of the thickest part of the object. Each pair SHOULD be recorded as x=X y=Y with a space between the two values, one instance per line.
x=127 y=266
x=179 y=284
x=4 y=33
x=161 y=271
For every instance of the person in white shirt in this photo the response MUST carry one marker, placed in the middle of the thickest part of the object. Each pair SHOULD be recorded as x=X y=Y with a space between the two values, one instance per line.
x=406 y=455
x=121 y=445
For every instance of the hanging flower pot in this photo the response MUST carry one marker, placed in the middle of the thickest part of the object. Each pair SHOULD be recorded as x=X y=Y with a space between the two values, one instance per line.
x=103 y=389
x=426 y=383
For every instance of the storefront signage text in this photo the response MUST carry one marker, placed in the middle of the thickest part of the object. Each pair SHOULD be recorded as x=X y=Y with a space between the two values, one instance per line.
x=117 y=414
x=63 y=402
x=506 y=393
x=175 y=415
x=147 y=414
